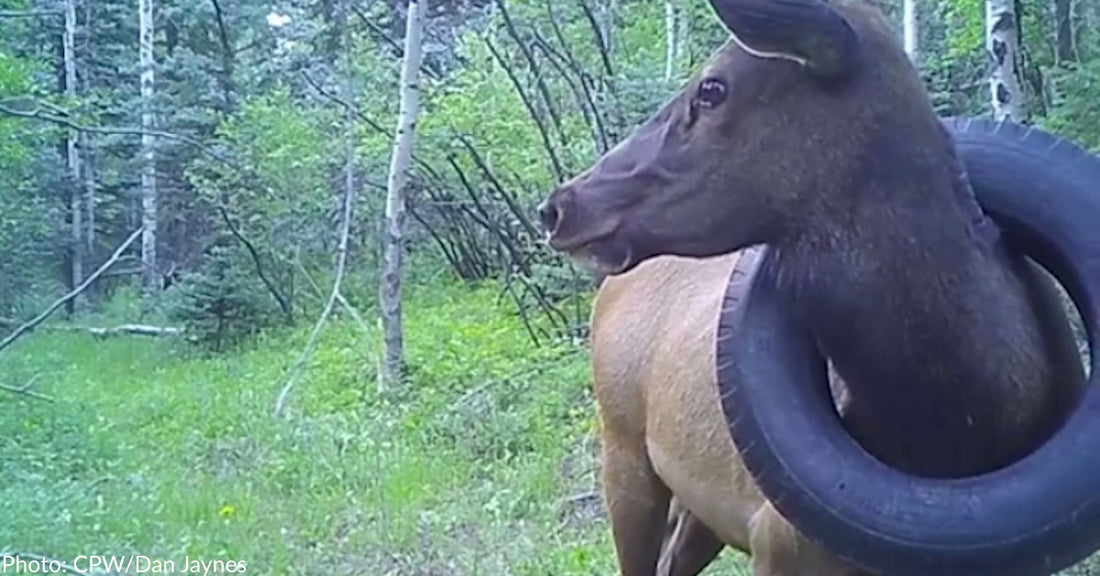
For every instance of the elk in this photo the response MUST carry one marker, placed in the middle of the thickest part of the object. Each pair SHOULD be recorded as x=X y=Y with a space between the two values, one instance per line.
x=799 y=200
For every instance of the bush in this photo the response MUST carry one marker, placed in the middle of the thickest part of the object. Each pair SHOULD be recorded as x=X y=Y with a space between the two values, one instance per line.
x=223 y=302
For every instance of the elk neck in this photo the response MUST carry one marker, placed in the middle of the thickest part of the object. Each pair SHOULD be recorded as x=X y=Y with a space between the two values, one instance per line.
x=910 y=291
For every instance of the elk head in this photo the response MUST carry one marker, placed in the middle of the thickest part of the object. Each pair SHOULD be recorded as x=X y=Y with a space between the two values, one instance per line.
x=768 y=130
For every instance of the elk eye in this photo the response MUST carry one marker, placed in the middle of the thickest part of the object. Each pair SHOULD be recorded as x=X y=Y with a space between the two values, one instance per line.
x=711 y=93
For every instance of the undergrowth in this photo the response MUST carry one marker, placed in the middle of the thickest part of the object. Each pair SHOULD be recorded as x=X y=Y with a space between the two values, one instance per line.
x=484 y=462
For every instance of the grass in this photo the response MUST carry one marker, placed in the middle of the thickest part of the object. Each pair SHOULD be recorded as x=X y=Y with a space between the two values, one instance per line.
x=484 y=463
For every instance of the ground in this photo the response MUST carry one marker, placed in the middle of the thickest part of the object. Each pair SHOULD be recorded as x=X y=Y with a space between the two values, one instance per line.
x=485 y=463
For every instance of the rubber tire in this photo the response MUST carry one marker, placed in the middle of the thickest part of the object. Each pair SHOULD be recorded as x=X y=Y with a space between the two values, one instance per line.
x=1033 y=518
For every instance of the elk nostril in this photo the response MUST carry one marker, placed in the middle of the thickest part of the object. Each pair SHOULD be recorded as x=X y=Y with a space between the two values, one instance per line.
x=549 y=216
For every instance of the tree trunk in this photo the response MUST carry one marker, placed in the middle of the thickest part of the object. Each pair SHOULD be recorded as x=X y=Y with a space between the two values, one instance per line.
x=390 y=289
x=149 y=277
x=72 y=155
x=1003 y=43
x=609 y=10
x=909 y=20
x=89 y=194
x=670 y=40
x=1063 y=31
x=86 y=145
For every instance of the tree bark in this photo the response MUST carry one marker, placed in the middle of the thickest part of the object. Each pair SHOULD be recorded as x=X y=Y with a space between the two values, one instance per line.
x=390 y=289
x=1063 y=31
x=610 y=10
x=1003 y=44
x=909 y=20
x=671 y=49
x=86 y=146
x=72 y=155
x=149 y=276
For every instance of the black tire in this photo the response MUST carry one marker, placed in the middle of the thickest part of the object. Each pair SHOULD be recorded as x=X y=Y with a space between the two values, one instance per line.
x=1034 y=517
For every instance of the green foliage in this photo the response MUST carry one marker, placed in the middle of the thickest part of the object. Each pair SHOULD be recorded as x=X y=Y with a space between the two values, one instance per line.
x=966 y=21
x=222 y=302
x=287 y=154
x=28 y=229
x=472 y=469
x=1074 y=113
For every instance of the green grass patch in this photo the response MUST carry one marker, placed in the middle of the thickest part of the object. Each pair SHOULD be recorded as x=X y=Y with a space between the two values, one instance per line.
x=469 y=468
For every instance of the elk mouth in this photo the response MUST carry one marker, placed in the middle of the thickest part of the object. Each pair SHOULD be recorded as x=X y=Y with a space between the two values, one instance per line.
x=608 y=253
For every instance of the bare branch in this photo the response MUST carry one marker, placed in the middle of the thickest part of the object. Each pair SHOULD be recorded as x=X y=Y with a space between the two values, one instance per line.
x=28 y=13
x=597 y=35
x=25 y=390
x=38 y=114
x=378 y=31
x=31 y=324
x=284 y=303
x=346 y=105
x=61 y=118
x=349 y=106
x=226 y=75
x=536 y=74
x=341 y=265
x=555 y=163
x=339 y=297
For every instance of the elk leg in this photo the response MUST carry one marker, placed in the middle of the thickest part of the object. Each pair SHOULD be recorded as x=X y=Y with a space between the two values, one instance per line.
x=637 y=503
x=690 y=545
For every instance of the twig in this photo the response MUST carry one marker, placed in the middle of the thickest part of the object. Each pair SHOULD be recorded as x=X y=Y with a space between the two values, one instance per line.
x=28 y=13
x=583 y=497
x=350 y=107
x=555 y=162
x=339 y=297
x=61 y=118
x=38 y=114
x=26 y=390
x=30 y=324
x=284 y=303
x=378 y=31
x=334 y=295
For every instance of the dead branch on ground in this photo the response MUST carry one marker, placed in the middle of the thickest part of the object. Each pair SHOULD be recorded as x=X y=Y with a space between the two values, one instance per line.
x=31 y=324
x=134 y=330
x=25 y=390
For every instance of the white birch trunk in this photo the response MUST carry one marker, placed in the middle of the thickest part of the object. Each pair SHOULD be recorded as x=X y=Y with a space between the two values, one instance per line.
x=148 y=158
x=390 y=288
x=609 y=26
x=909 y=25
x=1003 y=43
x=72 y=154
x=671 y=50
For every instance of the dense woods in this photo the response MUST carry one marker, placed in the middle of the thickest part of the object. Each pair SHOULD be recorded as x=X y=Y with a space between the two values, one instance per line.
x=271 y=283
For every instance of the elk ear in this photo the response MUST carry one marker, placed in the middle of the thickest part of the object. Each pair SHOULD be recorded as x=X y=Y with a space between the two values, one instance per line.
x=809 y=32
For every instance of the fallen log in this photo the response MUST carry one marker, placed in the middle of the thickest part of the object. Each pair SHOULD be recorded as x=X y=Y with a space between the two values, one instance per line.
x=135 y=330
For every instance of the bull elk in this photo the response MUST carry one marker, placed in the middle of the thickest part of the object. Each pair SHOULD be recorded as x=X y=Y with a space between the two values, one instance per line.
x=798 y=199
